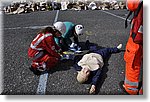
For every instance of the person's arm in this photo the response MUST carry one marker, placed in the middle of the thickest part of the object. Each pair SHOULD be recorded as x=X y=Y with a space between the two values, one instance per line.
x=50 y=46
x=94 y=81
x=96 y=77
x=76 y=66
x=76 y=41
x=59 y=50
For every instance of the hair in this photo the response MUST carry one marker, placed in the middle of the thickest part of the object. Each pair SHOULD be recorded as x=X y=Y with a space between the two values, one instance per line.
x=48 y=29
x=81 y=79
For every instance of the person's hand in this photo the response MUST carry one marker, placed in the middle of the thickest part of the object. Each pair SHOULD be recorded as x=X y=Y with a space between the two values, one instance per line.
x=61 y=57
x=60 y=52
x=60 y=41
x=92 y=90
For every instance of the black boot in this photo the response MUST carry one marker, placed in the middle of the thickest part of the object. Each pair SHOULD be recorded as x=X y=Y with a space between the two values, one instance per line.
x=36 y=72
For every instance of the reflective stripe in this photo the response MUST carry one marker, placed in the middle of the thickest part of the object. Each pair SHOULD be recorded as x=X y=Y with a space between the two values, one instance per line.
x=134 y=89
x=131 y=83
x=140 y=29
x=38 y=55
x=38 y=41
x=131 y=25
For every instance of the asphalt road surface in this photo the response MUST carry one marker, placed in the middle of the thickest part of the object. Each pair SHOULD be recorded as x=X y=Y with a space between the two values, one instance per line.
x=105 y=28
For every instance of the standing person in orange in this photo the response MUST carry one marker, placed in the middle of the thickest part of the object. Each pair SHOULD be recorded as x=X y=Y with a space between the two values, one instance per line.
x=134 y=50
x=43 y=50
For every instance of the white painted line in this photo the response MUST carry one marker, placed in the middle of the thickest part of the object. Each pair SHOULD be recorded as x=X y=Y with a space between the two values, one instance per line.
x=56 y=17
x=29 y=27
x=115 y=15
x=34 y=27
x=43 y=78
x=42 y=84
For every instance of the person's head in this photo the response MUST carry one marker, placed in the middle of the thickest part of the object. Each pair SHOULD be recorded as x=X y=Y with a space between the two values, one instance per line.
x=52 y=30
x=47 y=30
x=132 y=5
x=83 y=75
x=57 y=33
x=79 y=30
x=60 y=26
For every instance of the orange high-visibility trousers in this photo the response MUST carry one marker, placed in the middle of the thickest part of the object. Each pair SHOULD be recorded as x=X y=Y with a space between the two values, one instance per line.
x=133 y=57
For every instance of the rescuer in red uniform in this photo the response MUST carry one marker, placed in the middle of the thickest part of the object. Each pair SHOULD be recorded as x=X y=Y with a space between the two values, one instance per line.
x=43 y=50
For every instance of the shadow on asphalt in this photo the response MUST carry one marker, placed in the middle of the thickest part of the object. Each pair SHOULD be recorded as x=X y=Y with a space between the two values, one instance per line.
x=62 y=66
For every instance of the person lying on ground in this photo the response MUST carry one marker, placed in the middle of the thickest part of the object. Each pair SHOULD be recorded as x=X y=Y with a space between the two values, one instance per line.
x=89 y=66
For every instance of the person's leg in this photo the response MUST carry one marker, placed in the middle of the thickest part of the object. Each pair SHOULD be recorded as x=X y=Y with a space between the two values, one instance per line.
x=33 y=68
x=76 y=60
x=51 y=62
x=141 y=91
x=46 y=62
x=106 y=52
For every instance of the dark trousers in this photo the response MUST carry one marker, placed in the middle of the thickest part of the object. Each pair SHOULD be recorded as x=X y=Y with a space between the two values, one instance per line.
x=106 y=52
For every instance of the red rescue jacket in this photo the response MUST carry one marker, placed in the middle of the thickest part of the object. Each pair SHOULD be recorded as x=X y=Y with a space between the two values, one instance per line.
x=43 y=42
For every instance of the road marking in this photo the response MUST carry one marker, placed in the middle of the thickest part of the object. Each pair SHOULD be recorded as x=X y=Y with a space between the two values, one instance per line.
x=29 y=27
x=56 y=17
x=34 y=27
x=42 y=84
x=43 y=77
x=115 y=15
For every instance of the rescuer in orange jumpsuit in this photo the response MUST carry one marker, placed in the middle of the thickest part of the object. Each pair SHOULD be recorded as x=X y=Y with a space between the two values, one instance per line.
x=134 y=50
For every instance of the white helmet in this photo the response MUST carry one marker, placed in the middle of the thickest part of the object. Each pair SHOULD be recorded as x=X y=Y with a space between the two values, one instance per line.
x=79 y=29
x=60 y=26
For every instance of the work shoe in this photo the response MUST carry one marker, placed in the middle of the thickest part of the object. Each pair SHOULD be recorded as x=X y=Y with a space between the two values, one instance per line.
x=121 y=84
x=119 y=46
